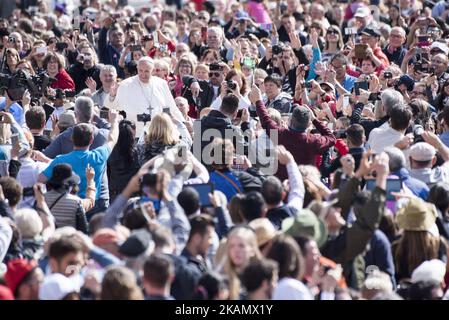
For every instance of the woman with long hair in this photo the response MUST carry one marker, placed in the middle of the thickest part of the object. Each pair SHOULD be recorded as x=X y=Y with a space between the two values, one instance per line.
x=123 y=161
x=333 y=44
x=12 y=57
x=420 y=240
x=241 y=248
x=286 y=252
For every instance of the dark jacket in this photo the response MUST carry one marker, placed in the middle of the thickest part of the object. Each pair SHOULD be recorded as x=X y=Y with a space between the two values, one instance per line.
x=41 y=142
x=107 y=54
x=217 y=124
x=186 y=278
x=147 y=152
x=120 y=171
x=367 y=124
x=206 y=96
x=303 y=146
x=79 y=75
x=379 y=254
x=328 y=166
x=277 y=215
x=346 y=247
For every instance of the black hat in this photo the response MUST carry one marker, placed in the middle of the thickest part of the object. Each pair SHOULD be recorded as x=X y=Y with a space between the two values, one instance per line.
x=371 y=32
x=137 y=243
x=63 y=175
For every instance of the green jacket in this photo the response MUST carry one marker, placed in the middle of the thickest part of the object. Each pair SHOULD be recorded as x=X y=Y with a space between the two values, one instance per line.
x=347 y=247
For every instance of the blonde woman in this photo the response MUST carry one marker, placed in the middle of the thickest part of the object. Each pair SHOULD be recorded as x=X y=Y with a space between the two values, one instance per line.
x=163 y=134
x=241 y=248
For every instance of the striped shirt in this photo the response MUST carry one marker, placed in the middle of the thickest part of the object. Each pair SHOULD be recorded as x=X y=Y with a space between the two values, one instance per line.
x=65 y=209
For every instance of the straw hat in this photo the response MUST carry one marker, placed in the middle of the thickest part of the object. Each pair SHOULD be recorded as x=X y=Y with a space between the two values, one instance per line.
x=264 y=229
x=416 y=215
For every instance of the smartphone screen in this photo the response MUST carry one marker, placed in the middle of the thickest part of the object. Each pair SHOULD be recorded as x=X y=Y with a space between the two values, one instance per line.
x=48 y=110
x=15 y=139
x=203 y=190
x=166 y=110
x=360 y=85
x=155 y=38
x=345 y=100
x=41 y=50
x=393 y=185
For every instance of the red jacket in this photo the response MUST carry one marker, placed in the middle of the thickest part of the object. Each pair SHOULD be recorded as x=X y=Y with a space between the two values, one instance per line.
x=63 y=81
x=303 y=146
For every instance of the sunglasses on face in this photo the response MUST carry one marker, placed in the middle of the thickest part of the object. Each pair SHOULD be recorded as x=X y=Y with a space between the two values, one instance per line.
x=332 y=31
x=214 y=74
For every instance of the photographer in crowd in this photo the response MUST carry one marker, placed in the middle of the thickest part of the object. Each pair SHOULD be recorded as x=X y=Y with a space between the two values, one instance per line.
x=186 y=146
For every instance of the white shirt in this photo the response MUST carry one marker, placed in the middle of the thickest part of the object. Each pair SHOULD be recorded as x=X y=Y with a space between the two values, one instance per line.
x=29 y=172
x=135 y=97
x=57 y=112
x=380 y=138
x=291 y=289
x=244 y=103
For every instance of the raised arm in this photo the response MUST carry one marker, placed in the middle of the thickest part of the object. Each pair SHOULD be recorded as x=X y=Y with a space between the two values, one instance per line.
x=256 y=99
x=297 y=190
x=368 y=219
x=114 y=131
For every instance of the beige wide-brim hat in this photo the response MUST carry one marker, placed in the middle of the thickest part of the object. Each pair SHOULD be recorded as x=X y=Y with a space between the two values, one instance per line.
x=264 y=229
x=416 y=215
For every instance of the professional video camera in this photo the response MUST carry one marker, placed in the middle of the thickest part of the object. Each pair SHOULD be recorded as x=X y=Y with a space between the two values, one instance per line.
x=17 y=83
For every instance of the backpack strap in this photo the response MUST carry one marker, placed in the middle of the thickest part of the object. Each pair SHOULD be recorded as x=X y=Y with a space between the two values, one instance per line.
x=236 y=187
x=56 y=201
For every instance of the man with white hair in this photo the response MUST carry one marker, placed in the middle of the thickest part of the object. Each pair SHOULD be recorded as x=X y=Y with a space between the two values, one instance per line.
x=143 y=94
x=214 y=41
x=395 y=50
x=108 y=79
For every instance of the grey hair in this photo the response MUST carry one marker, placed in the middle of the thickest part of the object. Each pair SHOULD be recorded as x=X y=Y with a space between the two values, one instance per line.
x=108 y=68
x=84 y=109
x=218 y=31
x=147 y=60
x=390 y=98
x=396 y=158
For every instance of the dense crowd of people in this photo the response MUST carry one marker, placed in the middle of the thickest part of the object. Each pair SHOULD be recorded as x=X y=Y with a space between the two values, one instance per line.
x=224 y=150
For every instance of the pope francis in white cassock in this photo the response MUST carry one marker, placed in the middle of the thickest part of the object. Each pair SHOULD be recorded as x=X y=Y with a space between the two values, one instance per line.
x=143 y=93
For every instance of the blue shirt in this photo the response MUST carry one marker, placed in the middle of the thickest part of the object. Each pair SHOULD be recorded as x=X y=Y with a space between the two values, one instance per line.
x=417 y=187
x=444 y=137
x=16 y=110
x=79 y=159
x=348 y=83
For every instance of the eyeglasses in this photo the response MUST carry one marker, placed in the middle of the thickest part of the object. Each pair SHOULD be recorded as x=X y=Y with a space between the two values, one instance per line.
x=214 y=74
x=185 y=66
x=332 y=31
